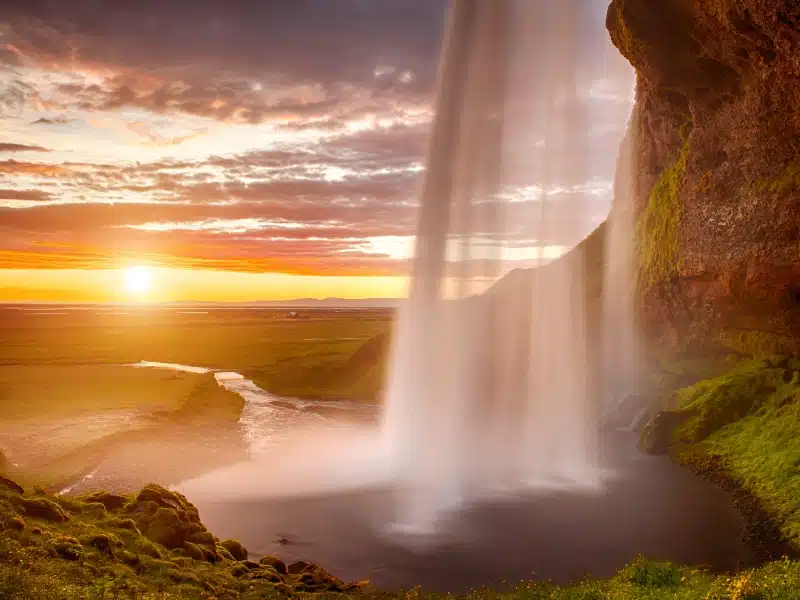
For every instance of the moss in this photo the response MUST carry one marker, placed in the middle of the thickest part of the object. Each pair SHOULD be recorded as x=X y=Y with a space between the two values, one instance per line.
x=746 y=421
x=657 y=231
x=785 y=181
x=43 y=508
x=756 y=343
x=236 y=550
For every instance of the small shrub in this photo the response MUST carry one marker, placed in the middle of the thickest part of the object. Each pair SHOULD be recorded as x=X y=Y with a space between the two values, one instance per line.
x=655 y=575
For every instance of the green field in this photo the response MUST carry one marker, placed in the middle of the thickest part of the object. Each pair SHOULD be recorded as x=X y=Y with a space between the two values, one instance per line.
x=308 y=356
x=66 y=400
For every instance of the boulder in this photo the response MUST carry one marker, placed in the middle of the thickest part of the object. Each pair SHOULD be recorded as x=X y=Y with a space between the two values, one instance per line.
x=658 y=434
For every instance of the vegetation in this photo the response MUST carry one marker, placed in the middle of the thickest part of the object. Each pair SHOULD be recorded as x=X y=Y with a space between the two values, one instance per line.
x=756 y=343
x=46 y=413
x=299 y=357
x=746 y=422
x=152 y=545
x=657 y=242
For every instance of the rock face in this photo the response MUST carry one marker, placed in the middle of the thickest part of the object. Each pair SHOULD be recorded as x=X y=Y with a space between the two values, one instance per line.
x=716 y=130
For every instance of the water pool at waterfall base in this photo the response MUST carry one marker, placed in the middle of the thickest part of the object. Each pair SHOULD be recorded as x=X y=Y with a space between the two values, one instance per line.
x=650 y=507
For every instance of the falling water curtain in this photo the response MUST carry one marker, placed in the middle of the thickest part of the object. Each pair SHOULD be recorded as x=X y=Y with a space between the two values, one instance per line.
x=488 y=386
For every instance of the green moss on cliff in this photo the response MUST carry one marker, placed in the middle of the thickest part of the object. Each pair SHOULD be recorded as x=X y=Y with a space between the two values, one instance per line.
x=786 y=181
x=756 y=343
x=657 y=241
x=746 y=421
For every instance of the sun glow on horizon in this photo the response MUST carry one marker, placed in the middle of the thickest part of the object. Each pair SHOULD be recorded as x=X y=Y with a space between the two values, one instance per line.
x=138 y=280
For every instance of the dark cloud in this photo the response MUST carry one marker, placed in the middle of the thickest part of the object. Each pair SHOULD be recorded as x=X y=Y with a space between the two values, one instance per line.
x=53 y=121
x=29 y=195
x=250 y=64
x=8 y=147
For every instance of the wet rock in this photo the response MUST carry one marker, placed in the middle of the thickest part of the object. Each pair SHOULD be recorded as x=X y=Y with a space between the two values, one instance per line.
x=7 y=484
x=716 y=121
x=657 y=435
x=252 y=565
x=235 y=548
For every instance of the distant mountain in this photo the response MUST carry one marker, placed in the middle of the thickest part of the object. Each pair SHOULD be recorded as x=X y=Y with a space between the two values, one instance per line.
x=308 y=303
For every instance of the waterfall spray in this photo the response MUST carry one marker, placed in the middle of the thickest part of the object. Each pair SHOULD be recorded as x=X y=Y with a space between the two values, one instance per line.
x=489 y=384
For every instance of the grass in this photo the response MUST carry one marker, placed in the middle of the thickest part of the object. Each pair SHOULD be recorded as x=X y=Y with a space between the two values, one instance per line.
x=63 y=420
x=152 y=545
x=288 y=357
x=747 y=419
x=28 y=392
x=657 y=232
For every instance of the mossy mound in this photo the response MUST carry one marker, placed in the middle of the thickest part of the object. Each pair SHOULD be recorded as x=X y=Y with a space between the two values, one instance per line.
x=746 y=423
x=149 y=545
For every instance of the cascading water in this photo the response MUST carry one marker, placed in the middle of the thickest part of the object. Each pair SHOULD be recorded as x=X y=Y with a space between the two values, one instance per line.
x=489 y=386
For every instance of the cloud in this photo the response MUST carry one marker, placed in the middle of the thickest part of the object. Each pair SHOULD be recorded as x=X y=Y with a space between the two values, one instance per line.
x=27 y=195
x=13 y=167
x=265 y=136
x=52 y=121
x=8 y=147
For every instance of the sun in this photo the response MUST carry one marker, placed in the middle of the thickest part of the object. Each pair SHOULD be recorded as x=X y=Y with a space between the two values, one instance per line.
x=138 y=280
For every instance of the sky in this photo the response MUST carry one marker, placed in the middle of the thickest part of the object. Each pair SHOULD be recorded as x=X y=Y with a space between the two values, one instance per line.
x=249 y=150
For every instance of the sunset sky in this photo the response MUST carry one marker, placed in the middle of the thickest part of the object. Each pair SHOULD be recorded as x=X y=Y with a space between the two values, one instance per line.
x=240 y=150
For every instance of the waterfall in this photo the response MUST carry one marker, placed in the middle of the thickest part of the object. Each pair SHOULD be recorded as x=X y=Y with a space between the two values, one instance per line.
x=489 y=385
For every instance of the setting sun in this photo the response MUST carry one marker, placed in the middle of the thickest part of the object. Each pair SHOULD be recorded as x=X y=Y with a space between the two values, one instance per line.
x=138 y=280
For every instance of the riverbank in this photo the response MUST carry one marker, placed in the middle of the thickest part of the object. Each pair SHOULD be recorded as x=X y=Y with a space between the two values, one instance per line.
x=60 y=423
x=153 y=546
x=739 y=430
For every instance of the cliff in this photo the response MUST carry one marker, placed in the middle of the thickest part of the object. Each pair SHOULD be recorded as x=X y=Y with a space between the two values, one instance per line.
x=716 y=132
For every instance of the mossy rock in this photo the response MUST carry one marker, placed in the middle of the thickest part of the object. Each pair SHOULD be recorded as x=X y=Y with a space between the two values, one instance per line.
x=14 y=524
x=111 y=502
x=266 y=574
x=11 y=486
x=167 y=528
x=239 y=570
x=298 y=567
x=201 y=538
x=67 y=548
x=95 y=510
x=42 y=508
x=236 y=550
x=276 y=563
x=193 y=551
x=224 y=554
x=104 y=542
x=127 y=524
x=657 y=435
